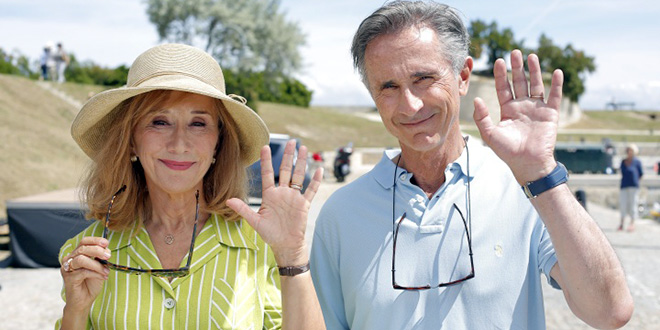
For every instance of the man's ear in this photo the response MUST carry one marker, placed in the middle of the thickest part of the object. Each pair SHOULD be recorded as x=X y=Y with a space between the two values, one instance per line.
x=464 y=76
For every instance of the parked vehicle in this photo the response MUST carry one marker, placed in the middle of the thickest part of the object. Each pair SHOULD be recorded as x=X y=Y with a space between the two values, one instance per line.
x=277 y=144
x=586 y=157
x=342 y=164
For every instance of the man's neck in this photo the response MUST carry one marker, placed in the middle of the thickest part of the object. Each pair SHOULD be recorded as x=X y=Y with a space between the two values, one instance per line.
x=429 y=166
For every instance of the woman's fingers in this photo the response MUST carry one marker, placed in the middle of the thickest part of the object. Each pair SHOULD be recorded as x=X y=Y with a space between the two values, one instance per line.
x=286 y=166
x=85 y=255
x=86 y=263
x=267 y=172
x=298 y=177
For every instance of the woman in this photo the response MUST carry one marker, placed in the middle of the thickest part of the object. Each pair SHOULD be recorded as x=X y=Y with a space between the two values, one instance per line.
x=168 y=185
x=631 y=173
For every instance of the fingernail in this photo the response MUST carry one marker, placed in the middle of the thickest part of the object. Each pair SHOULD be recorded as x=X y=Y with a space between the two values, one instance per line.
x=107 y=254
x=106 y=272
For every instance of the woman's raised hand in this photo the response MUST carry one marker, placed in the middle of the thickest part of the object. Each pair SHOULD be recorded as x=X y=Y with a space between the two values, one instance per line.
x=282 y=218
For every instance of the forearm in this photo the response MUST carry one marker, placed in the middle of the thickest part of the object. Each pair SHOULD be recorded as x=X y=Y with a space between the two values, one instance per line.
x=300 y=305
x=588 y=270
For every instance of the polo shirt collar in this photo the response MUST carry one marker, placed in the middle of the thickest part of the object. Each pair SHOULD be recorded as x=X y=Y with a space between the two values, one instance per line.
x=383 y=172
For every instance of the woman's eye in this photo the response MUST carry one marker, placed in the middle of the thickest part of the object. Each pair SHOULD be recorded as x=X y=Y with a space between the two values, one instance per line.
x=158 y=122
x=199 y=124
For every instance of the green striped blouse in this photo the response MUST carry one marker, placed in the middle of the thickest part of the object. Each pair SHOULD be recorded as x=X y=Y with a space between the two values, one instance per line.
x=233 y=284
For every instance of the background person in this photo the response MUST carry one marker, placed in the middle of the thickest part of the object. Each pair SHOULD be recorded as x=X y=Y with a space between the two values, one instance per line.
x=61 y=62
x=631 y=173
x=441 y=235
x=179 y=147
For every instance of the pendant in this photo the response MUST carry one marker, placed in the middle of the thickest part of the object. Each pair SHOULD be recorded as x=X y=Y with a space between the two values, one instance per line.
x=169 y=239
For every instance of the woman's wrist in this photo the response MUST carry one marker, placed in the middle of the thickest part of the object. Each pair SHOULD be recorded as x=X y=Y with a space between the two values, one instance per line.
x=73 y=318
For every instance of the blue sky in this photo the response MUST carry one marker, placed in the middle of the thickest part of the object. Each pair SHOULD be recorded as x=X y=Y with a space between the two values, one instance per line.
x=623 y=36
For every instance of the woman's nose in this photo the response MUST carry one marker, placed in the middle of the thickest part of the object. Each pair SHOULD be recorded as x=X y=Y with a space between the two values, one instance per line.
x=178 y=142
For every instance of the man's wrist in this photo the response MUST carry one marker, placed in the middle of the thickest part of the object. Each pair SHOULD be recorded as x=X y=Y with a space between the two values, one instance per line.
x=557 y=176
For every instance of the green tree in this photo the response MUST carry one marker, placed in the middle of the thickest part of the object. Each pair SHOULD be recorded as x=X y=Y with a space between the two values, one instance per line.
x=489 y=39
x=244 y=35
x=575 y=64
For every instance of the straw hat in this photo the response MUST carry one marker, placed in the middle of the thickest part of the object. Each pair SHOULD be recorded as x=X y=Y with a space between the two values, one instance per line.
x=169 y=67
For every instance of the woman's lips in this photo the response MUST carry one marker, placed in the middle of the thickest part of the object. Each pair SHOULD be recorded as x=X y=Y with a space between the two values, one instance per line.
x=177 y=166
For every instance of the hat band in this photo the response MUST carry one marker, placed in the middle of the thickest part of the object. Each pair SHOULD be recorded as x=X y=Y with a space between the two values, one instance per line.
x=175 y=73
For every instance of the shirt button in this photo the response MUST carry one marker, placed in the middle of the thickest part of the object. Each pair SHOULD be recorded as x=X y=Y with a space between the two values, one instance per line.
x=402 y=177
x=169 y=303
x=420 y=199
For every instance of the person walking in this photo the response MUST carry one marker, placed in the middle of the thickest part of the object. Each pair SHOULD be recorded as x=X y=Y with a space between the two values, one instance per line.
x=61 y=62
x=46 y=62
x=631 y=173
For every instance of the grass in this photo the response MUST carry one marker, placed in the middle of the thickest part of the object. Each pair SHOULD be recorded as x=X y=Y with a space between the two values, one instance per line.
x=324 y=129
x=38 y=154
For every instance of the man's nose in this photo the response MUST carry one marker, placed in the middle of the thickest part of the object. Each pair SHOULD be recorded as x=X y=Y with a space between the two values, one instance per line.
x=410 y=101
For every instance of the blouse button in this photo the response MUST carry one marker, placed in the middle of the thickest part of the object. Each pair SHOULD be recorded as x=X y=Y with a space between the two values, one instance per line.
x=169 y=303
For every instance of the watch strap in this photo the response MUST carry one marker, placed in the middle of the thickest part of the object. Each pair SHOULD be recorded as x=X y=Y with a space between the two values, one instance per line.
x=293 y=270
x=558 y=176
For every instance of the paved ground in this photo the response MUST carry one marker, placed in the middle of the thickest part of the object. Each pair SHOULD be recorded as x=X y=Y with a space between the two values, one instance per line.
x=30 y=298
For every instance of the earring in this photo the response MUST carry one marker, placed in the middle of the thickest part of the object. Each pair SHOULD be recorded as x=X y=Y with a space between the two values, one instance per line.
x=134 y=159
x=213 y=160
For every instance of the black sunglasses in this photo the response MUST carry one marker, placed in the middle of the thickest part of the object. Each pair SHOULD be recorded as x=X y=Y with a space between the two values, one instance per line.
x=180 y=272
x=465 y=223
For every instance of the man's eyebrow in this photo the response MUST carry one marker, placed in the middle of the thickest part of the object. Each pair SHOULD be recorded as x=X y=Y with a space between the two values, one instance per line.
x=424 y=74
x=387 y=84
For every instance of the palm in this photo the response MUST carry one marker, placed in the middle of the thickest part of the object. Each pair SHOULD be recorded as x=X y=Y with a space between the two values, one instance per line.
x=526 y=134
x=282 y=218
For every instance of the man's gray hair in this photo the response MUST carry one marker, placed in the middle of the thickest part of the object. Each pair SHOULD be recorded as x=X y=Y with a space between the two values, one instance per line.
x=397 y=16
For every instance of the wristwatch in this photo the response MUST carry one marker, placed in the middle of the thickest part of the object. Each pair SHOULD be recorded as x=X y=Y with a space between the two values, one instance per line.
x=293 y=270
x=558 y=176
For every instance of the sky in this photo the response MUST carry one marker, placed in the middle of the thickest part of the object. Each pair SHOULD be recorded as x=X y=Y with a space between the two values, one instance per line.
x=623 y=36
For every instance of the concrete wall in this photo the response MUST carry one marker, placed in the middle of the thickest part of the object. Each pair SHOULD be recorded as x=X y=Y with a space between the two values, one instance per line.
x=484 y=87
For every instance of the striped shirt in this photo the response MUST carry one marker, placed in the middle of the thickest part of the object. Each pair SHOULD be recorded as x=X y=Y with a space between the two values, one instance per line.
x=233 y=282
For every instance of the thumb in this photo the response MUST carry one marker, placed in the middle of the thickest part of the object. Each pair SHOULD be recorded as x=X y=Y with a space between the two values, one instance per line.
x=482 y=119
x=244 y=211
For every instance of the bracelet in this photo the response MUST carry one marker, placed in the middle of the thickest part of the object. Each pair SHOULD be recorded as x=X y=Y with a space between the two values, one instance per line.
x=293 y=270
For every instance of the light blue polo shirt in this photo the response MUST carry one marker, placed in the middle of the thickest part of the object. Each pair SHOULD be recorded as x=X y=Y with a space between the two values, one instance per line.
x=351 y=257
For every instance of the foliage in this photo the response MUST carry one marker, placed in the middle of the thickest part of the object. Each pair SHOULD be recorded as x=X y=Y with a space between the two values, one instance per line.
x=254 y=87
x=245 y=35
x=90 y=73
x=573 y=62
x=487 y=38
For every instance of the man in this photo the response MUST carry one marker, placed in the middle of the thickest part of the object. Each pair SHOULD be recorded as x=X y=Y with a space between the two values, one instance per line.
x=441 y=235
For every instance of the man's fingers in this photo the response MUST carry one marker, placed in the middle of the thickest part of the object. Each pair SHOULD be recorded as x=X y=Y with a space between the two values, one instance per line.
x=536 y=87
x=518 y=74
x=482 y=119
x=502 y=86
x=554 y=99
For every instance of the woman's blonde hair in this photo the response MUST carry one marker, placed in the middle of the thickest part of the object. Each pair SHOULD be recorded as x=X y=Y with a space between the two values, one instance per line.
x=112 y=168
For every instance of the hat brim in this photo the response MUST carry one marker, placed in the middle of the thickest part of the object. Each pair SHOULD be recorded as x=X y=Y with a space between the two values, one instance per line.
x=90 y=125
